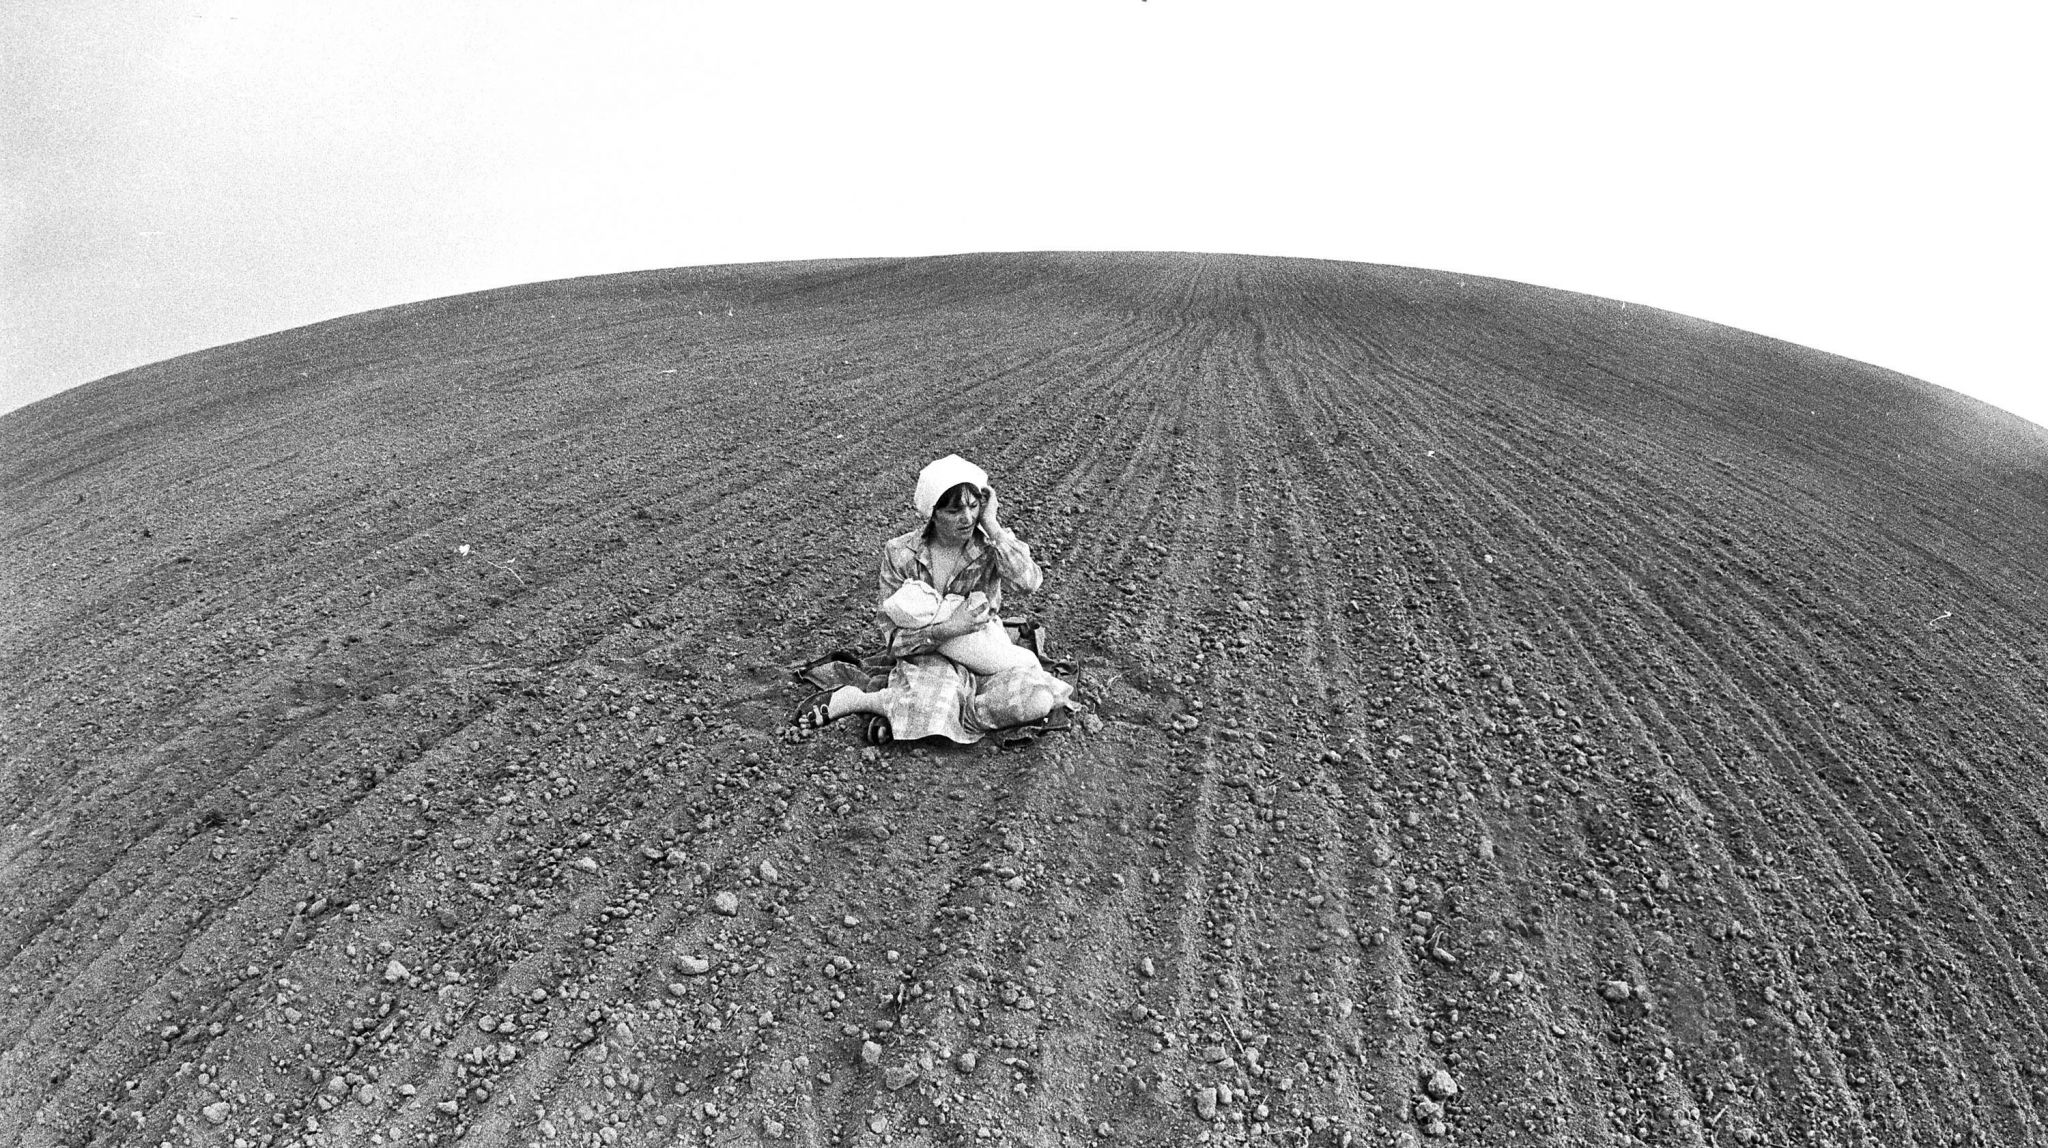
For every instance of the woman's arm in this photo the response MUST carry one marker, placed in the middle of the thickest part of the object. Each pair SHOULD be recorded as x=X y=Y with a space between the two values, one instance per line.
x=903 y=642
x=1014 y=562
x=1013 y=557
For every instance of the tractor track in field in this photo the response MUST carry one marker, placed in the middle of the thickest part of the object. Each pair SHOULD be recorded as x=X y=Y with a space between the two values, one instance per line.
x=1633 y=722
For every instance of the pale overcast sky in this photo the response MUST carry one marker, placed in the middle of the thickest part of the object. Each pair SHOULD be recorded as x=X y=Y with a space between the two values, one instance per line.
x=1865 y=179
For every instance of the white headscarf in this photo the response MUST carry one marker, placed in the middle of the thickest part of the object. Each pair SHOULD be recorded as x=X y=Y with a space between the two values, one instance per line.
x=941 y=476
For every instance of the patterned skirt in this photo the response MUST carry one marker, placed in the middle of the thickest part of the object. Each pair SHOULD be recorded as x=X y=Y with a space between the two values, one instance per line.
x=931 y=695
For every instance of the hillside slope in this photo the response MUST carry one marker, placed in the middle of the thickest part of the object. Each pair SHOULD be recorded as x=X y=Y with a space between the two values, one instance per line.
x=1514 y=718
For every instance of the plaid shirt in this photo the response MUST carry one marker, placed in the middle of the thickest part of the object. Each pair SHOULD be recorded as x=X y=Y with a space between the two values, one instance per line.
x=988 y=567
x=927 y=693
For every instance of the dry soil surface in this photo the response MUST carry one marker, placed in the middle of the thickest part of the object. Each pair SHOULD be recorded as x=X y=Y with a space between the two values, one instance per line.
x=1514 y=717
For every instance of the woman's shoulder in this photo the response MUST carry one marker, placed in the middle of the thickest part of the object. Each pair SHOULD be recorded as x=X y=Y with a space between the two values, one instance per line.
x=904 y=546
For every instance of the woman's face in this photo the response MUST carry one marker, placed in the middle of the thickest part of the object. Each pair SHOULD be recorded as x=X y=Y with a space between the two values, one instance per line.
x=956 y=524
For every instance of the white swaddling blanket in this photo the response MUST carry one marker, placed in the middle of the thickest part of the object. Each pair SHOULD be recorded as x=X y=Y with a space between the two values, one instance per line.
x=916 y=603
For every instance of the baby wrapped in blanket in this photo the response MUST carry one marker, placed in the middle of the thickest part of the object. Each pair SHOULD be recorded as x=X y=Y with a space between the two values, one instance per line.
x=987 y=650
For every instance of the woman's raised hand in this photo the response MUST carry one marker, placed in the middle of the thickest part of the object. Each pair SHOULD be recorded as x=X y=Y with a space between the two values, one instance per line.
x=988 y=518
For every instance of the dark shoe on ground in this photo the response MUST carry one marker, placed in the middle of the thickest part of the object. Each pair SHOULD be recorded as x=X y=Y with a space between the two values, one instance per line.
x=876 y=731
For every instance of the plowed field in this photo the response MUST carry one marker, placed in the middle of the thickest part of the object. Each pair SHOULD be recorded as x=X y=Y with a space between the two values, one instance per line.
x=1512 y=717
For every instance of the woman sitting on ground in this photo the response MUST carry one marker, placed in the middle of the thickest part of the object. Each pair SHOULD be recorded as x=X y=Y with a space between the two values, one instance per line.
x=957 y=673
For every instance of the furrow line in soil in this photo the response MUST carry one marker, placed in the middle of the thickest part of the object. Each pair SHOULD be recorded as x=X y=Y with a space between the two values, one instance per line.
x=1240 y=919
x=1484 y=896
x=1464 y=613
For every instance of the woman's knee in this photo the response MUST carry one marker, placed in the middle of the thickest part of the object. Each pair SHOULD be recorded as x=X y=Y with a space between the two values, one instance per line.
x=1035 y=704
x=1012 y=699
